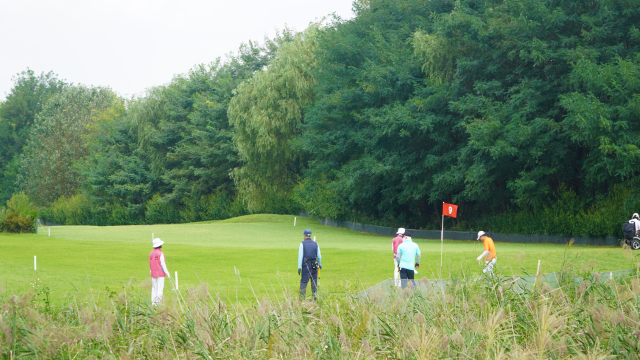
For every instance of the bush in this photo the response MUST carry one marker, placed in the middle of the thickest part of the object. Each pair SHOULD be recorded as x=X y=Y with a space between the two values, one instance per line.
x=15 y=223
x=161 y=211
x=220 y=206
x=73 y=210
x=20 y=215
x=569 y=215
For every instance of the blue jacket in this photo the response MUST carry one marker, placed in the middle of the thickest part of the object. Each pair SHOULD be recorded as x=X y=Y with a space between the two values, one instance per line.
x=309 y=249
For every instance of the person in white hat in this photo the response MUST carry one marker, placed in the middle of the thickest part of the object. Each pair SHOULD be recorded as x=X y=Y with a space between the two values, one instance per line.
x=394 y=246
x=158 y=271
x=489 y=253
x=635 y=219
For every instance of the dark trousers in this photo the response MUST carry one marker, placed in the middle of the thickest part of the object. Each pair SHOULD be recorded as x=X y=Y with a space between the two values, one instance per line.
x=308 y=274
x=406 y=274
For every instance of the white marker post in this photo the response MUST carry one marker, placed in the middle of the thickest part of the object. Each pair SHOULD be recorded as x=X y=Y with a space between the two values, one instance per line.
x=538 y=272
x=49 y=232
x=294 y=220
x=314 y=239
x=176 y=280
x=35 y=263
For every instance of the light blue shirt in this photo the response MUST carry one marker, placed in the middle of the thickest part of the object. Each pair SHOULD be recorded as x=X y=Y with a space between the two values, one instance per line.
x=407 y=253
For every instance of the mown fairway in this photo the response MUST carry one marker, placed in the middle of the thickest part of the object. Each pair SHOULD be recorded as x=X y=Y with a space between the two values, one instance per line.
x=262 y=248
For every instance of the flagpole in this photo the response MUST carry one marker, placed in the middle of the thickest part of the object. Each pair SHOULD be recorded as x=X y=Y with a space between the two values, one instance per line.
x=441 y=244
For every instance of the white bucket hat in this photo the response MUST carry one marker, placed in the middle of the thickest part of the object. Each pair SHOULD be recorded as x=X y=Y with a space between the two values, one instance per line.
x=400 y=231
x=480 y=233
x=157 y=243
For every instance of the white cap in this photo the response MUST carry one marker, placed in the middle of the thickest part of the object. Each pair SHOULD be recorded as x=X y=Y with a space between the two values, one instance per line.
x=400 y=231
x=480 y=233
x=157 y=243
x=635 y=216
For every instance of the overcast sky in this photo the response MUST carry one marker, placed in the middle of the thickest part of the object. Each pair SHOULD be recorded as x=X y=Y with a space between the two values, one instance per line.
x=131 y=45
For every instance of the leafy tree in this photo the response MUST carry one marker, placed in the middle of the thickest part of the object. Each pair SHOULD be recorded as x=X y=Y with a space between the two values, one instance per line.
x=166 y=157
x=266 y=113
x=58 y=139
x=17 y=113
x=493 y=105
x=364 y=133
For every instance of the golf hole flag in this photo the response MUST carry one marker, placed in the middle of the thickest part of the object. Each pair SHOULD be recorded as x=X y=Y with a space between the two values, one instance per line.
x=449 y=209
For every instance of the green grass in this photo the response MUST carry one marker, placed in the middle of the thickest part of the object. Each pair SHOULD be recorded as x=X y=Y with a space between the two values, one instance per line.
x=262 y=248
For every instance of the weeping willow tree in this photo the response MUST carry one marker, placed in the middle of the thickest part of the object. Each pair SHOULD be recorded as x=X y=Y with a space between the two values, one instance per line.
x=266 y=113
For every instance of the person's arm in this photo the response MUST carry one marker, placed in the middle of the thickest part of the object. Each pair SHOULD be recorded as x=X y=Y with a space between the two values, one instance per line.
x=164 y=265
x=484 y=254
x=300 y=253
x=419 y=254
x=399 y=256
x=319 y=257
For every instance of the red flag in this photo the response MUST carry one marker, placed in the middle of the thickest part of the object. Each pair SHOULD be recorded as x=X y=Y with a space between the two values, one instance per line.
x=449 y=209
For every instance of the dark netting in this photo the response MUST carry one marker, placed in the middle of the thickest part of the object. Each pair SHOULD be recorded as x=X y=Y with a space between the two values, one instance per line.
x=466 y=235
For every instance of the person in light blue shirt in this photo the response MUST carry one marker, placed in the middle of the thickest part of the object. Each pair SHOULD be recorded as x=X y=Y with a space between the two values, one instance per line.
x=408 y=259
x=309 y=261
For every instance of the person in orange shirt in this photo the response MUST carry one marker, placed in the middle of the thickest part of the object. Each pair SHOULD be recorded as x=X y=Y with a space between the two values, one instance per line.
x=489 y=253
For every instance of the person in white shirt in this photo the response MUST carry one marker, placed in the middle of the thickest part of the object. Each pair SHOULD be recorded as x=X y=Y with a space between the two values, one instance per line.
x=636 y=220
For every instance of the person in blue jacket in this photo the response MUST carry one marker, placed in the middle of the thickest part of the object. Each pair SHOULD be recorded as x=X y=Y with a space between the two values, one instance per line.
x=408 y=259
x=309 y=261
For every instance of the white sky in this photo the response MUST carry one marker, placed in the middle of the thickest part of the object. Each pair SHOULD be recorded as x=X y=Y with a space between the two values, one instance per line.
x=131 y=45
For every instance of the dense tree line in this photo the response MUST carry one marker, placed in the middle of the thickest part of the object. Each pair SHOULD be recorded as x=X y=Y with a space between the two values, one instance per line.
x=525 y=113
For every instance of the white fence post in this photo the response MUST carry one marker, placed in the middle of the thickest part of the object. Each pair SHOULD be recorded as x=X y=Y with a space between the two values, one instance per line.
x=35 y=263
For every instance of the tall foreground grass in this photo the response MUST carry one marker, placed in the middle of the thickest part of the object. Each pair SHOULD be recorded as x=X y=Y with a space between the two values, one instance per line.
x=474 y=318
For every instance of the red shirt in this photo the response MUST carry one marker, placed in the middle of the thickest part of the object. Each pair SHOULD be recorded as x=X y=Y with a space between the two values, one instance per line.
x=396 y=242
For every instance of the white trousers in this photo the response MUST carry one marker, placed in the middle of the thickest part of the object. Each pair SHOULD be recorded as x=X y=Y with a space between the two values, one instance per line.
x=488 y=266
x=396 y=273
x=157 y=286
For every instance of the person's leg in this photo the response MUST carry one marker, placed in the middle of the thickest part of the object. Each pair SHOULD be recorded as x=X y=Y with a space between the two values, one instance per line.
x=488 y=266
x=396 y=273
x=304 y=279
x=314 y=282
x=403 y=278
x=154 y=290
x=410 y=275
x=160 y=289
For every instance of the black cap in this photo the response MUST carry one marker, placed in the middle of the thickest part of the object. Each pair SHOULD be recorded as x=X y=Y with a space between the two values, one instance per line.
x=407 y=233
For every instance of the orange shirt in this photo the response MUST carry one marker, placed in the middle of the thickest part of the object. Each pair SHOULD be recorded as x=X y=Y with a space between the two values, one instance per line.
x=488 y=246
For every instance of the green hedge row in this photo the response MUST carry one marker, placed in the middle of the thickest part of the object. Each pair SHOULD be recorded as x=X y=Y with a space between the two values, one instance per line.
x=79 y=210
x=567 y=215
